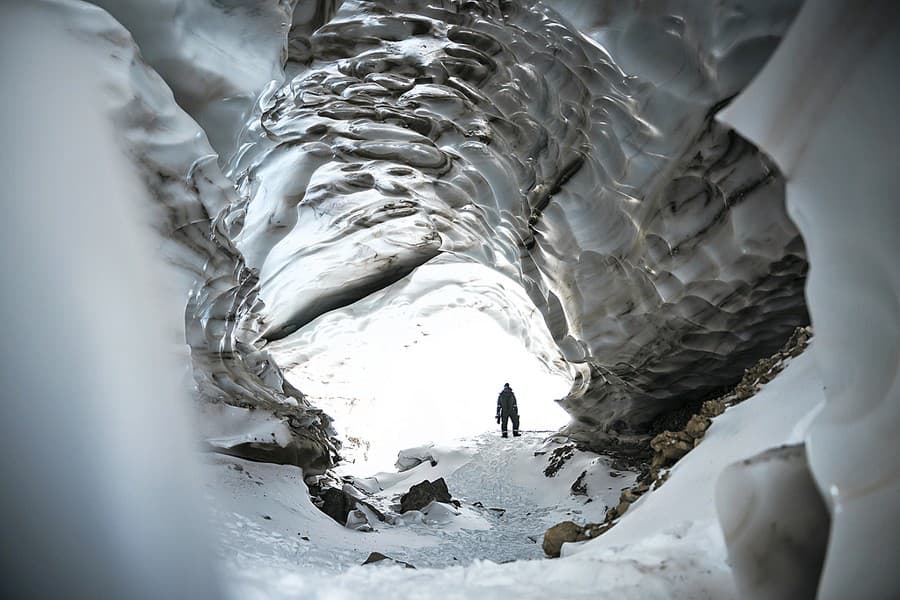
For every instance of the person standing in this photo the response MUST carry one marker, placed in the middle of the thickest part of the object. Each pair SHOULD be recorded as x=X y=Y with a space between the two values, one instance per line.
x=507 y=409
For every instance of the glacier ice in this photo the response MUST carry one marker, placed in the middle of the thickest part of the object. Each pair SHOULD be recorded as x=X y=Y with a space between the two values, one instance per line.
x=825 y=109
x=775 y=524
x=572 y=147
x=654 y=240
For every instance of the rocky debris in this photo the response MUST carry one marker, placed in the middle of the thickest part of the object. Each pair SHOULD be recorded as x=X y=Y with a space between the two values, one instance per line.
x=579 y=487
x=376 y=557
x=669 y=447
x=422 y=494
x=558 y=458
x=559 y=534
x=342 y=503
x=337 y=504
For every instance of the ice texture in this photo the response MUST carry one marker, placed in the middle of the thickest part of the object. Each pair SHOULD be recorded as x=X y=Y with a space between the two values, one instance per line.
x=775 y=524
x=217 y=57
x=218 y=296
x=586 y=167
x=825 y=108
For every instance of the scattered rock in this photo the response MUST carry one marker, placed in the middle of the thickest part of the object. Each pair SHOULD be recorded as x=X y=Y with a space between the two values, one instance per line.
x=697 y=426
x=669 y=446
x=579 y=488
x=558 y=458
x=559 y=534
x=422 y=494
x=340 y=503
x=337 y=504
x=376 y=557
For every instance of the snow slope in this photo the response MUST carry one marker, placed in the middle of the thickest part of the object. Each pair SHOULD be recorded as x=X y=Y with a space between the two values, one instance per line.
x=667 y=545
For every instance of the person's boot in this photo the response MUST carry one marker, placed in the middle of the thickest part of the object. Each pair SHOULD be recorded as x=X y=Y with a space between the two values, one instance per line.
x=516 y=434
x=503 y=434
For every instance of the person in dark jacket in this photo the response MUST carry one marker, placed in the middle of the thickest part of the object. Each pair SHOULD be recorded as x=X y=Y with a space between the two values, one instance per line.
x=507 y=409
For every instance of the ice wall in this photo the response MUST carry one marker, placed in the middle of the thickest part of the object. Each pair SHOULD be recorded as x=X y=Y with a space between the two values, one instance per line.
x=826 y=110
x=101 y=496
x=248 y=408
x=585 y=167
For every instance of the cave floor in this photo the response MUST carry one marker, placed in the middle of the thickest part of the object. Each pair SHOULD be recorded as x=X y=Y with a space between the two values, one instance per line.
x=273 y=542
x=264 y=515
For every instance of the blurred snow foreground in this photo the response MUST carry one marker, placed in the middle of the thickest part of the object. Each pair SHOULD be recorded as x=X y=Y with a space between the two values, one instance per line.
x=118 y=215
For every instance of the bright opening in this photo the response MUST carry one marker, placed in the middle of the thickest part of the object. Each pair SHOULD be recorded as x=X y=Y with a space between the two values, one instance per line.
x=425 y=362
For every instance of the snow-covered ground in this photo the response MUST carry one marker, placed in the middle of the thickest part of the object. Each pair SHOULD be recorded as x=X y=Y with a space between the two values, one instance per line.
x=276 y=544
x=265 y=517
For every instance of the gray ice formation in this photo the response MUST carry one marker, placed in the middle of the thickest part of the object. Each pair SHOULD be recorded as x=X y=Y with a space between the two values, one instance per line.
x=587 y=168
x=584 y=166
x=775 y=524
x=301 y=156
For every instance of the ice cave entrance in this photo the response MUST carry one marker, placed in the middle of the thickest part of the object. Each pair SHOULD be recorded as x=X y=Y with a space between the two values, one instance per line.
x=423 y=362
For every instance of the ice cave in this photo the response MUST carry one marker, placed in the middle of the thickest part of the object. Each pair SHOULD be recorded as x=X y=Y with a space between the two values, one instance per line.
x=268 y=263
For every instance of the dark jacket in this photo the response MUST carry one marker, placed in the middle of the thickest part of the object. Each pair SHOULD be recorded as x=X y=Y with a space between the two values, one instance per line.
x=506 y=403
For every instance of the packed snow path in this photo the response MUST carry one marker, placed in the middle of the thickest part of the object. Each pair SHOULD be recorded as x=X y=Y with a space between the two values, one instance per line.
x=505 y=481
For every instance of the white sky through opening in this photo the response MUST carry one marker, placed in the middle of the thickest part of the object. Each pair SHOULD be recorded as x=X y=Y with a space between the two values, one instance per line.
x=408 y=379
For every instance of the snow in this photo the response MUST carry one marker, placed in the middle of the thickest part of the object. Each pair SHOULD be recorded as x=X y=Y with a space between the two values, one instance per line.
x=263 y=511
x=667 y=545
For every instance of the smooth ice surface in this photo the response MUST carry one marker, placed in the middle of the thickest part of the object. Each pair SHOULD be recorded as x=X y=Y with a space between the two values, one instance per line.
x=100 y=487
x=775 y=524
x=825 y=108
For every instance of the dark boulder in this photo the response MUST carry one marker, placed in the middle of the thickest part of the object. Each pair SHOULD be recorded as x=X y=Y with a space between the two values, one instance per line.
x=376 y=557
x=421 y=494
x=337 y=504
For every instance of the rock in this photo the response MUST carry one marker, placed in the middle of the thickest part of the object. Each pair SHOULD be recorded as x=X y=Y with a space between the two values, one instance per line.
x=337 y=504
x=671 y=445
x=421 y=494
x=579 y=487
x=697 y=426
x=558 y=458
x=559 y=534
x=712 y=408
x=629 y=495
x=376 y=557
